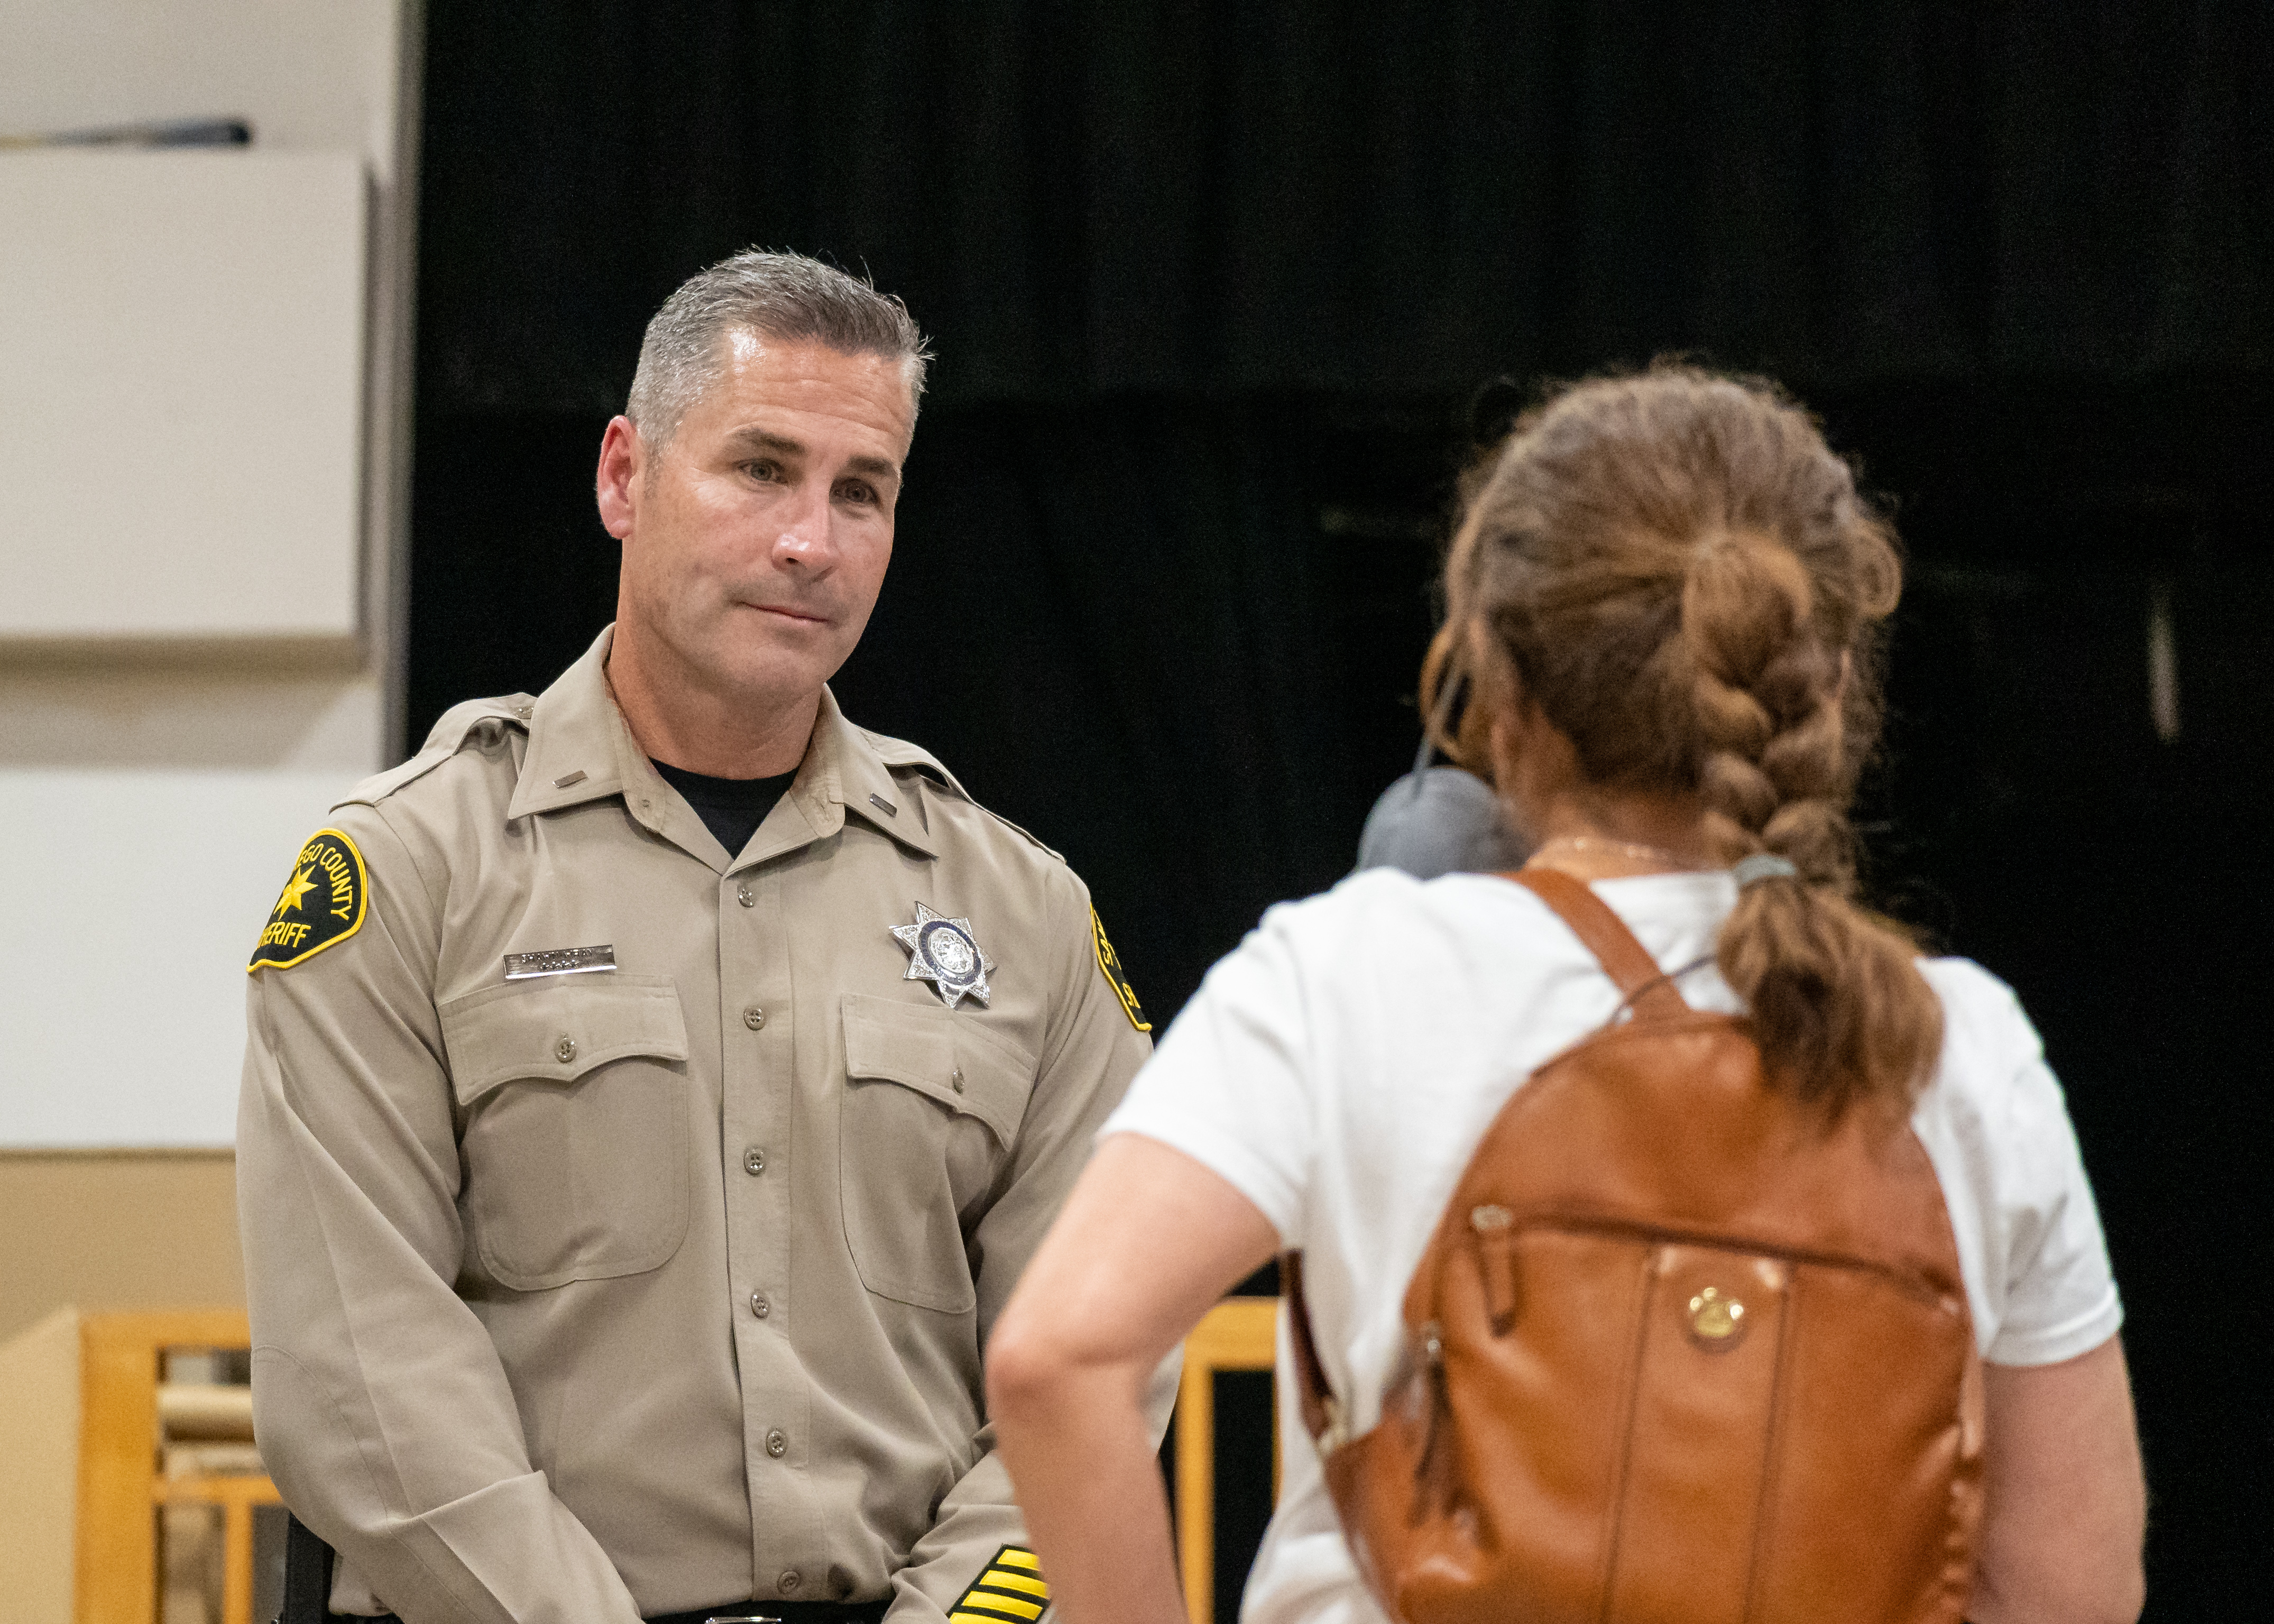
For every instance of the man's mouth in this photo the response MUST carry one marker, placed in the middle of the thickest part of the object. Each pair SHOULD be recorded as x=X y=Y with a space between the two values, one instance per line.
x=801 y=617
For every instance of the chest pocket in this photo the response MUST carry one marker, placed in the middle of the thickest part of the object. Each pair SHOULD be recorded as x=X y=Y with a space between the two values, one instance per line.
x=932 y=1106
x=573 y=1095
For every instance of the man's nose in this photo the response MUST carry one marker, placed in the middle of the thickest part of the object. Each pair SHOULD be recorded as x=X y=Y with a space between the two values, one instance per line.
x=805 y=539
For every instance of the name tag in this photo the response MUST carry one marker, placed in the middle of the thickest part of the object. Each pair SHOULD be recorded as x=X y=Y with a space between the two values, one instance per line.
x=560 y=961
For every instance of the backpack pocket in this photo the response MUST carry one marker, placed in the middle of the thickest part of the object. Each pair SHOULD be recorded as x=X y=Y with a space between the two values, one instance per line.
x=1603 y=1423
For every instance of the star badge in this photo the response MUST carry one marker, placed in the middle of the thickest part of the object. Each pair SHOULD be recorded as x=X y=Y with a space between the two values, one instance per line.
x=302 y=882
x=943 y=950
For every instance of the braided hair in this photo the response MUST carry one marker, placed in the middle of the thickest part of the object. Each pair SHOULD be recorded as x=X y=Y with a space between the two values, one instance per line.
x=1681 y=574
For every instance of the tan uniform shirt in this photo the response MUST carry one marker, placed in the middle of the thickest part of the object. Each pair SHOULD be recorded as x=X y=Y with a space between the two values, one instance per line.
x=632 y=1290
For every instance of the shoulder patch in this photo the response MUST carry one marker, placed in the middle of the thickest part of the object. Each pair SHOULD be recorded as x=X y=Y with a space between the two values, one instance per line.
x=323 y=903
x=1010 y=1589
x=1108 y=962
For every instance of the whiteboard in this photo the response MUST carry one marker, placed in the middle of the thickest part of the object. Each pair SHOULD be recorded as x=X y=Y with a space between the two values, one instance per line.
x=181 y=396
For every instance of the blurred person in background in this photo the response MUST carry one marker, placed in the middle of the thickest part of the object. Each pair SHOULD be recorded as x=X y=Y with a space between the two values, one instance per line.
x=1443 y=819
x=655 y=1086
x=1672 y=595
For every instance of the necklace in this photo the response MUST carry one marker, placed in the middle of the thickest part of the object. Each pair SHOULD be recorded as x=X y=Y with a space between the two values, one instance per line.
x=1627 y=849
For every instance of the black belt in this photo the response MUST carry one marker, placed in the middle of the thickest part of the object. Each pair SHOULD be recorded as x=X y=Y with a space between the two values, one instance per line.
x=781 y=1612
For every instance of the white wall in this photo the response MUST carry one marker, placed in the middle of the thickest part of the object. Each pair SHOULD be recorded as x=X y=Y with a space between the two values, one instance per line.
x=152 y=798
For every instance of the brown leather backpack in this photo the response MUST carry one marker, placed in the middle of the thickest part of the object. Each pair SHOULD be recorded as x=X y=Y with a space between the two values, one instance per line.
x=1677 y=1351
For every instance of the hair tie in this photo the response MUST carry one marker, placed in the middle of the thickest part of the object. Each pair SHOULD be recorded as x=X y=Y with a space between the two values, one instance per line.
x=1762 y=866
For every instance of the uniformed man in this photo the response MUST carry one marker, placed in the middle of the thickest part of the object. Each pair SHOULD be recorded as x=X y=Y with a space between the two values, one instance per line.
x=656 y=1086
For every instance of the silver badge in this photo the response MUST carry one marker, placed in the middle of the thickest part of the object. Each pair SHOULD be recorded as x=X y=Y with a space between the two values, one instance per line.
x=943 y=950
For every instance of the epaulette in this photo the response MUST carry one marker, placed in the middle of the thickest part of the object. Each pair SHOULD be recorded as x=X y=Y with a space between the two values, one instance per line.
x=900 y=752
x=1023 y=835
x=459 y=725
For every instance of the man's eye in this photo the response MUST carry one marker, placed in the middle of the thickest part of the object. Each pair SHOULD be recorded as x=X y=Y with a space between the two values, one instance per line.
x=769 y=472
x=855 y=492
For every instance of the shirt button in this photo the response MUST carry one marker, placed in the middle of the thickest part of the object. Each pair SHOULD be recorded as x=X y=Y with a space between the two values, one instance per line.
x=762 y=1308
x=565 y=1051
x=777 y=1446
x=789 y=1582
x=956 y=1082
x=753 y=1018
x=754 y=1162
x=744 y=895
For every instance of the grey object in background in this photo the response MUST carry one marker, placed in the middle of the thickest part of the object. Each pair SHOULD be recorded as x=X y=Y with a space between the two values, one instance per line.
x=157 y=132
x=1440 y=820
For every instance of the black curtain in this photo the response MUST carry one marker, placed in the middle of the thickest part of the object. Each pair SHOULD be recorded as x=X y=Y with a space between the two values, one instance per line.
x=1211 y=284
x=1108 y=197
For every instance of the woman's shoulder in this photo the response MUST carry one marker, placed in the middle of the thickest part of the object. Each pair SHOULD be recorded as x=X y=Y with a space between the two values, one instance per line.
x=1385 y=895
x=1388 y=912
x=1983 y=1022
x=1993 y=1078
x=1971 y=986
x=1995 y=1123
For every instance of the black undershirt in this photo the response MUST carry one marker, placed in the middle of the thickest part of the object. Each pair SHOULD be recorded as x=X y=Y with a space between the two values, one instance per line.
x=730 y=808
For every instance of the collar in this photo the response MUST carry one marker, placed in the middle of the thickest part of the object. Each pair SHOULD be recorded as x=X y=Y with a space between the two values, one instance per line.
x=852 y=768
x=577 y=739
x=581 y=749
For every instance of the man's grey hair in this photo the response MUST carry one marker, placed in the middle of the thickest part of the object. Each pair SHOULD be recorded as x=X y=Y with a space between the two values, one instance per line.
x=785 y=296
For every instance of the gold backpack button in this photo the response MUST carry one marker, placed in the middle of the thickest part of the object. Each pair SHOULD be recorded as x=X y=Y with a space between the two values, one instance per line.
x=1716 y=1320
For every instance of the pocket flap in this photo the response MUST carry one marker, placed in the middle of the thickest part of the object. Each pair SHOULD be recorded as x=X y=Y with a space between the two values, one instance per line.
x=558 y=1028
x=939 y=1053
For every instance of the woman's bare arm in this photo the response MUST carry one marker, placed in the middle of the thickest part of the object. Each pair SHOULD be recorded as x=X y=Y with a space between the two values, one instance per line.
x=2066 y=1506
x=1148 y=1242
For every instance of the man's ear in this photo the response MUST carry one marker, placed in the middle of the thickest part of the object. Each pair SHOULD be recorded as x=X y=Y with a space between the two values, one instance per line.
x=616 y=486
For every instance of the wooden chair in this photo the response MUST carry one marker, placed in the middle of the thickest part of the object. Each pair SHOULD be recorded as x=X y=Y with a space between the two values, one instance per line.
x=1238 y=1334
x=121 y=1489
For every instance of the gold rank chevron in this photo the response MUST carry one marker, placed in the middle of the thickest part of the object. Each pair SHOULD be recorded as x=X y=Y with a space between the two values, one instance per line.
x=1010 y=1590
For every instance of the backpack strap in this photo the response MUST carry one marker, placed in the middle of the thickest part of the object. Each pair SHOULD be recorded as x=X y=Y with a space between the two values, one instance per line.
x=1604 y=934
x=1647 y=989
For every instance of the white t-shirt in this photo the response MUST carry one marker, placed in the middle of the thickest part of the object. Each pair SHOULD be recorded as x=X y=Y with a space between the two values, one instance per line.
x=1340 y=1068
